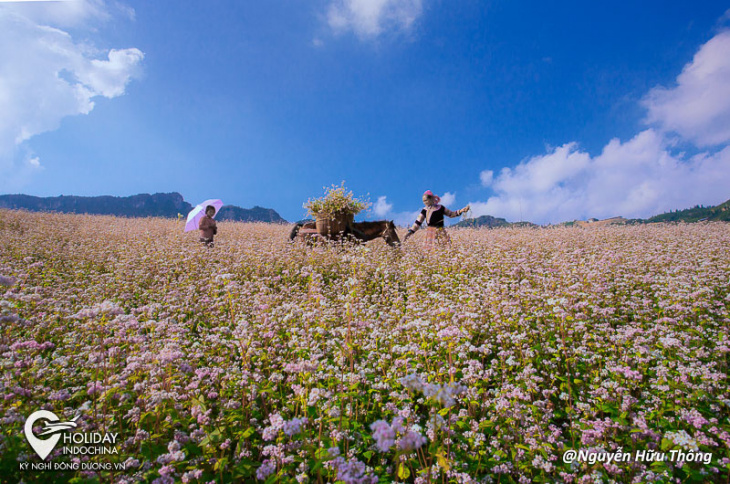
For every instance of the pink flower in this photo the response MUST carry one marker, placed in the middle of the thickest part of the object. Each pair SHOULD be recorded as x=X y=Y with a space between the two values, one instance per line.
x=7 y=281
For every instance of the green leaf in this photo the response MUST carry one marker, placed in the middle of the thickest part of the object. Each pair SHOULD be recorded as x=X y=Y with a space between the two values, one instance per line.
x=403 y=471
x=321 y=454
x=221 y=463
x=667 y=444
x=486 y=424
x=443 y=461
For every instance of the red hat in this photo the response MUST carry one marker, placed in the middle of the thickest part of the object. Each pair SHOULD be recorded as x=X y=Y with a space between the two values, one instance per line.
x=429 y=193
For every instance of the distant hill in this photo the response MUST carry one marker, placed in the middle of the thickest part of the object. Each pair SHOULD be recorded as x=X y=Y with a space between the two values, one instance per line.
x=255 y=214
x=696 y=214
x=491 y=222
x=483 y=221
x=167 y=205
x=719 y=213
x=593 y=222
x=142 y=205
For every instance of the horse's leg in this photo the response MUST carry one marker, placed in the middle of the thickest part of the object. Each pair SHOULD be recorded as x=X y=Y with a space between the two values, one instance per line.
x=294 y=232
x=310 y=239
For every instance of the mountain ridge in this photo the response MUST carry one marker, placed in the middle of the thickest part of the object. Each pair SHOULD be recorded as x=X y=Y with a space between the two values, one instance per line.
x=167 y=205
x=698 y=213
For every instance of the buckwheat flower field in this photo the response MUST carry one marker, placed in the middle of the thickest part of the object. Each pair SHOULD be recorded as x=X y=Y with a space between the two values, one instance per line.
x=264 y=361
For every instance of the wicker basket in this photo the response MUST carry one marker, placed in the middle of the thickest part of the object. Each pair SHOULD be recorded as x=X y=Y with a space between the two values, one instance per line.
x=332 y=225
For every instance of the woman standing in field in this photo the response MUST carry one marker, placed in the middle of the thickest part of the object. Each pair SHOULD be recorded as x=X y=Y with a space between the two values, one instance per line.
x=433 y=215
x=207 y=226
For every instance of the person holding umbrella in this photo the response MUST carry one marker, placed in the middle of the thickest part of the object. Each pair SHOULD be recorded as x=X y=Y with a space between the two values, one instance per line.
x=207 y=226
x=201 y=218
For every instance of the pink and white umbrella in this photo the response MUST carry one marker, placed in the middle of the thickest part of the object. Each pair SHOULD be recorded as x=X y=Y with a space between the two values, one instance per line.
x=199 y=212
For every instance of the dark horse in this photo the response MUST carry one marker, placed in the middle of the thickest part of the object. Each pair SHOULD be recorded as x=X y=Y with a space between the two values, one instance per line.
x=360 y=231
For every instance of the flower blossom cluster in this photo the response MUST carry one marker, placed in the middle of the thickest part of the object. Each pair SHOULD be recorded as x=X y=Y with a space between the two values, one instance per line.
x=352 y=471
x=478 y=362
x=386 y=435
x=278 y=424
x=444 y=394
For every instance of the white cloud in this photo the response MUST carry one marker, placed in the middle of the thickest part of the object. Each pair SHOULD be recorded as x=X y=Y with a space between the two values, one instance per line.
x=381 y=208
x=405 y=219
x=486 y=177
x=61 y=14
x=638 y=178
x=370 y=18
x=448 y=199
x=47 y=75
x=109 y=77
x=698 y=108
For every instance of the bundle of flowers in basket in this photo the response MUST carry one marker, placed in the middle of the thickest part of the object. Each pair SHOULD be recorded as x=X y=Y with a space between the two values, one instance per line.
x=335 y=211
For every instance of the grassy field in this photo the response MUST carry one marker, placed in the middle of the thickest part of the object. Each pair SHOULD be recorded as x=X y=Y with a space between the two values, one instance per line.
x=258 y=359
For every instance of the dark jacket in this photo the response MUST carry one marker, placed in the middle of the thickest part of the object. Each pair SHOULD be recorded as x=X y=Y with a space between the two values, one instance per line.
x=207 y=227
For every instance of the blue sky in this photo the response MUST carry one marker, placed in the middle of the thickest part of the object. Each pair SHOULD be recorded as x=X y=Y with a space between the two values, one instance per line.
x=541 y=111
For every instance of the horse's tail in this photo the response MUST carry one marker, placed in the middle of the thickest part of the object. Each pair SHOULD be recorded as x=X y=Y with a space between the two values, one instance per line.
x=295 y=231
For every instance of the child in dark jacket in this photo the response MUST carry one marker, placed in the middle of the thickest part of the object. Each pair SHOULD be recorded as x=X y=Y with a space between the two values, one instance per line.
x=207 y=226
x=433 y=214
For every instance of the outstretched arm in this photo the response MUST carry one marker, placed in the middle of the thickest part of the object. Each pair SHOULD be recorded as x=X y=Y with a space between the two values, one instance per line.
x=451 y=214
